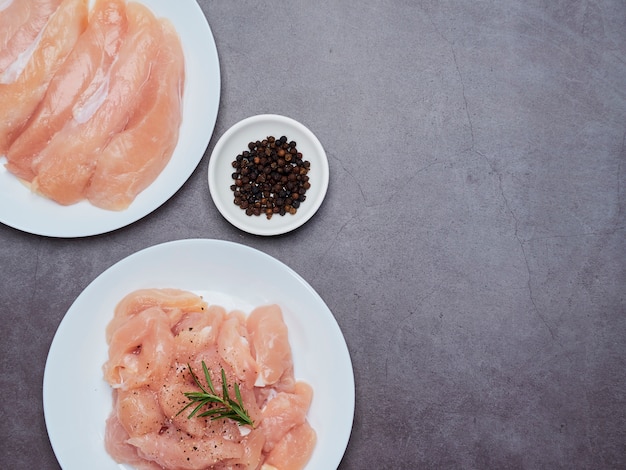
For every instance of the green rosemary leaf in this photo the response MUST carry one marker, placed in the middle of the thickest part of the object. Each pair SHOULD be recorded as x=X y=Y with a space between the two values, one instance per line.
x=219 y=414
x=238 y=395
x=203 y=396
x=224 y=386
x=196 y=409
x=193 y=395
x=195 y=379
x=207 y=377
x=186 y=406
x=221 y=407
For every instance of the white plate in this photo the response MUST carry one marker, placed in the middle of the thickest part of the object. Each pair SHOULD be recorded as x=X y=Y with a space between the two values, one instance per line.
x=77 y=400
x=235 y=140
x=23 y=210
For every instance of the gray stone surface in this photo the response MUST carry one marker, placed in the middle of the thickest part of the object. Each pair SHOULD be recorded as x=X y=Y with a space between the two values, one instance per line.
x=471 y=246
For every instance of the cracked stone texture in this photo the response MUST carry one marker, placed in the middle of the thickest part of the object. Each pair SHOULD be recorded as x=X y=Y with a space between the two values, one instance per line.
x=471 y=245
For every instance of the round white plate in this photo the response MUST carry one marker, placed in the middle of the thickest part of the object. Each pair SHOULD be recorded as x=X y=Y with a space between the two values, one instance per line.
x=22 y=209
x=77 y=400
x=235 y=140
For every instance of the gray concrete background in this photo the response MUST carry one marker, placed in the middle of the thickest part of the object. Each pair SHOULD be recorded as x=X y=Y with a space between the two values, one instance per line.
x=471 y=245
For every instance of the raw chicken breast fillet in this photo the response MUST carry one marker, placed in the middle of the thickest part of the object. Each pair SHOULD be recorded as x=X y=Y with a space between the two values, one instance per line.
x=136 y=156
x=19 y=98
x=64 y=167
x=92 y=103
x=20 y=25
x=79 y=77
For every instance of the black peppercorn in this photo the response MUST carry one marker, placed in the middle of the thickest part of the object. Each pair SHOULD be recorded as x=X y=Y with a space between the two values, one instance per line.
x=270 y=177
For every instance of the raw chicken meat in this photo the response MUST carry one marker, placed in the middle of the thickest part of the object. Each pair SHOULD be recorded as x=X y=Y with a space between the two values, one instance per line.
x=269 y=343
x=20 y=25
x=283 y=412
x=175 y=302
x=294 y=450
x=234 y=348
x=155 y=337
x=92 y=102
x=136 y=156
x=81 y=75
x=20 y=97
x=140 y=350
x=64 y=167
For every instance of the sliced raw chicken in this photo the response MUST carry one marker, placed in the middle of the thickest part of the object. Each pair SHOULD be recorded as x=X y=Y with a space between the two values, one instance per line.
x=295 y=449
x=139 y=412
x=81 y=75
x=252 y=451
x=172 y=400
x=13 y=14
x=115 y=438
x=198 y=330
x=115 y=442
x=64 y=167
x=135 y=157
x=235 y=350
x=140 y=350
x=153 y=343
x=283 y=412
x=175 y=302
x=215 y=362
x=20 y=24
x=270 y=343
x=19 y=98
x=175 y=449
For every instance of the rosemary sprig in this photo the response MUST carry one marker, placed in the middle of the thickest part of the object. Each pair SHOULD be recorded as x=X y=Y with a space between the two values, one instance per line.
x=226 y=408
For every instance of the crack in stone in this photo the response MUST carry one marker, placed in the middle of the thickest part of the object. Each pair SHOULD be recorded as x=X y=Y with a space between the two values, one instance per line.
x=493 y=168
x=467 y=112
x=334 y=241
x=531 y=293
x=577 y=235
x=351 y=176
x=400 y=327
x=406 y=183
x=622 y=155
x=391 y=339
x=458 y=71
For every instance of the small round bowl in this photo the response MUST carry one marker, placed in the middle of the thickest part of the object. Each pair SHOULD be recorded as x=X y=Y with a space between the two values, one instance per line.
x=234 y=141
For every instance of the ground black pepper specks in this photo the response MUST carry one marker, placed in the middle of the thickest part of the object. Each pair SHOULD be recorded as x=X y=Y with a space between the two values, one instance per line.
x=270 y=177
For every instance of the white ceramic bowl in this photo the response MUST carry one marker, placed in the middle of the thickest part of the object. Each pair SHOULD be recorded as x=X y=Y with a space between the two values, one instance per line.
x=235 y=140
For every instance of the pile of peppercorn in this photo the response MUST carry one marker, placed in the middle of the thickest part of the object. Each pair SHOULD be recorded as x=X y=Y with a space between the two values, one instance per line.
x=270 y=177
